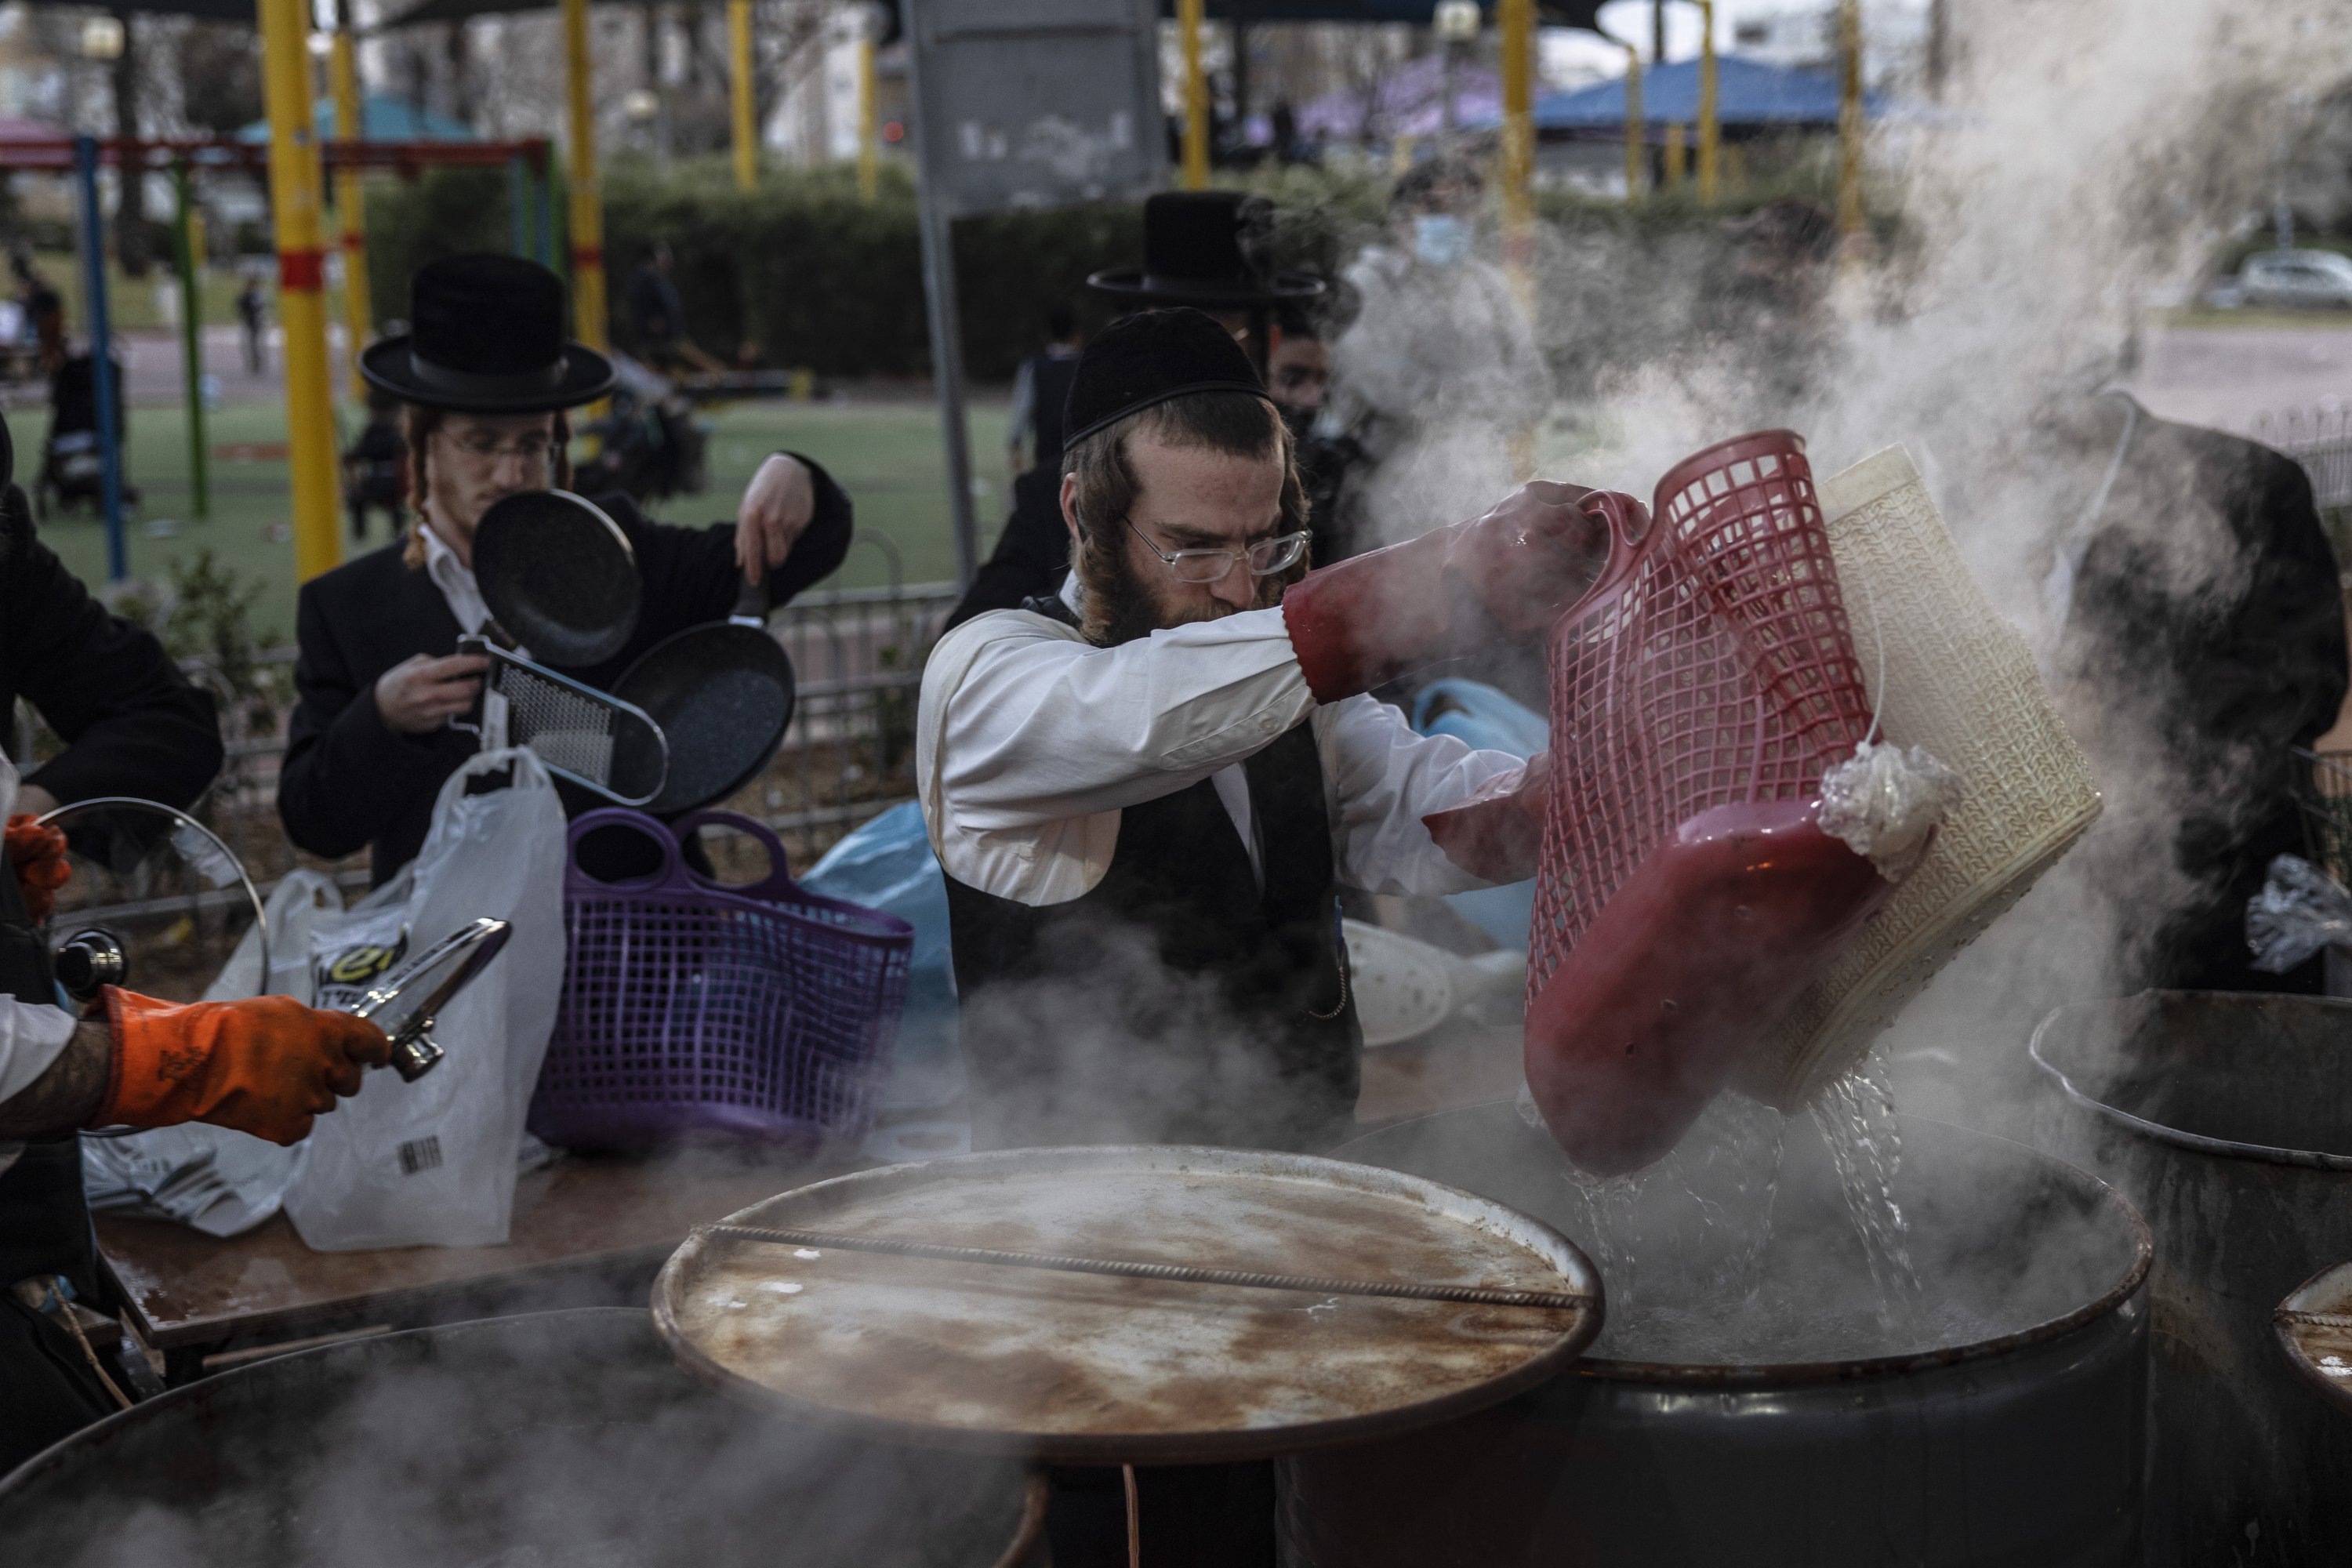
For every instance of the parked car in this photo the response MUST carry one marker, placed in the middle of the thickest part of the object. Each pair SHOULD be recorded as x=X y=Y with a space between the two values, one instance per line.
x=2292 y=278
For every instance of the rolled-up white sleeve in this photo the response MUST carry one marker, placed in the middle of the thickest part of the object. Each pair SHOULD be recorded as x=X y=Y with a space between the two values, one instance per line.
x=31 y=1038
x=1383 y=779
x=1042 y=727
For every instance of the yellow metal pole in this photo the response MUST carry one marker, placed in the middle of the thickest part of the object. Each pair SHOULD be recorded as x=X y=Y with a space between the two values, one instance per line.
x=1189 y=22
x=586 y=206
x=1710 y=133
x=1677 y=162
x=747 y=136
x=294 y=182
x=350 y=208
x=1636 y=143
x=869 y=127
x=1518 y=30
x=1849 y=128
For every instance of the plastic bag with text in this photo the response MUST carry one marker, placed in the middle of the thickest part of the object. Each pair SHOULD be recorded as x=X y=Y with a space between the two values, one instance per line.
x=433 y=1162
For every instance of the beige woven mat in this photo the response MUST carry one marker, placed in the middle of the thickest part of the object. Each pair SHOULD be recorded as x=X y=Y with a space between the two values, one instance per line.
x=1959 y=682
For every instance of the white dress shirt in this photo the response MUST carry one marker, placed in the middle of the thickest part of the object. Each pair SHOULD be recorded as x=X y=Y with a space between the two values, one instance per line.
x=456 y=581
x=1029 y=740
x=32 y=1035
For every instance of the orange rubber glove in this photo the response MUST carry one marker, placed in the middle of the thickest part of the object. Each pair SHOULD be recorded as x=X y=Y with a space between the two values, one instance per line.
x=265 y=1065
x=38 y=855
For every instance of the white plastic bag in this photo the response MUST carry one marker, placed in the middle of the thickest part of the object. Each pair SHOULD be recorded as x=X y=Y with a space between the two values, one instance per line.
x=433 y=1162
x=221 y=1180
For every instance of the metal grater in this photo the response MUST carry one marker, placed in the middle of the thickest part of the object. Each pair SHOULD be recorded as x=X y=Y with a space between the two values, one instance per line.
x=595 y=740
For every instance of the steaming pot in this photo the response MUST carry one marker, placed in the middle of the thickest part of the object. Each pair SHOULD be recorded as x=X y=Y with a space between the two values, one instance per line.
x=557 y=1437
x=2228 y=1120
x=2025 y=1445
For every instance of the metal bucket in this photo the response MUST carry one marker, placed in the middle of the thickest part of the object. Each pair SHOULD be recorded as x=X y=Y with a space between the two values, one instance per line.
x=555 y=1438
x=2228 y=1118
x=2023 y=1446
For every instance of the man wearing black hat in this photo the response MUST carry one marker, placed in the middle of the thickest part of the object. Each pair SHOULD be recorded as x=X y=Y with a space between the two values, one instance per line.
x=486 y=374
x=1146 y=791
x=1207 y=249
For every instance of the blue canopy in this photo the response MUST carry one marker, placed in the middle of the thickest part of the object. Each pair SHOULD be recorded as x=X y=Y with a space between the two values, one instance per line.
x=1748 y=93
x=382 y=118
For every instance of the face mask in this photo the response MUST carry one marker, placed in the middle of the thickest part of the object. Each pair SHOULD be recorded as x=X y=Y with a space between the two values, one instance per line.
x=1440 y=240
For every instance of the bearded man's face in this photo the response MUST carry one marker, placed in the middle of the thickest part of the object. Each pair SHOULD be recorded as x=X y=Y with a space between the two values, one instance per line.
x=1187 y=498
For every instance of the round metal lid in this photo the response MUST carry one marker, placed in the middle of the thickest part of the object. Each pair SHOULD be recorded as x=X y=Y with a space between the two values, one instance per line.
x=1084 y=1368
x=2314 y=1327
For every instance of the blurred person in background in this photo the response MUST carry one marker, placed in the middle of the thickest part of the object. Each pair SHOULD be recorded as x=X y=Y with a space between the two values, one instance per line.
x=1439 y=376
x=2200 y=610
x=43 y=306
x=487 y=375
x=252 y=315
x=1769 y=311
x=1033 y=436
x=1211 y=250
x=658 y=315
x=375 y=468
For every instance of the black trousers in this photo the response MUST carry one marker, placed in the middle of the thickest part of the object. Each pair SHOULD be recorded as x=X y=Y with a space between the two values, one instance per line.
x=1193 y=1516
x=48 y=1391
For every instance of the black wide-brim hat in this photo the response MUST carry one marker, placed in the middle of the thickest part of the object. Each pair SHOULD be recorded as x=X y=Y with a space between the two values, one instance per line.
x=485 y=336
x=1207 y=249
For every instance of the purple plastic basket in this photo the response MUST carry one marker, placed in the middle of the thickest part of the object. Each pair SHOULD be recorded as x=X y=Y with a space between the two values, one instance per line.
x=758 y=1009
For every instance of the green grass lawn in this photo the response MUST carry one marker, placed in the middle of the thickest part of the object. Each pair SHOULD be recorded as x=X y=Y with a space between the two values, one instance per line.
x=886 y=455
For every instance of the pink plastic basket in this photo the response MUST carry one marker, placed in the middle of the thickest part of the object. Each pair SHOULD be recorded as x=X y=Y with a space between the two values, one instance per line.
x=1711 y=665
x=758 y=1009
x=1686 y=892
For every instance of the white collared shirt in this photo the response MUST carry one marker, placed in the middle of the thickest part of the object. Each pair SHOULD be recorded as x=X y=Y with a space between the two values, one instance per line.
x=1029 y=740
x=456 y=581
x=32 y=1035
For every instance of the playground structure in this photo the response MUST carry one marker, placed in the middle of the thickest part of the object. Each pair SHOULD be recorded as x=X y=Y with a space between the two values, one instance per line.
x=310 y=416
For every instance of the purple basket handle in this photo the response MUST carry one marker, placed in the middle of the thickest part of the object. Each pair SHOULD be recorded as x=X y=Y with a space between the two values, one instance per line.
x=578 y=883
x=777 y=885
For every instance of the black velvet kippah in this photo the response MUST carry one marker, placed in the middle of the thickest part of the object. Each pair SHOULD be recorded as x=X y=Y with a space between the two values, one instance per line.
x=1148 y=358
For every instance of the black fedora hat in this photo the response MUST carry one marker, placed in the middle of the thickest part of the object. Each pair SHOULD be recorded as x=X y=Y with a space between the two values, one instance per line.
x=485 y=336
x=1208 y=249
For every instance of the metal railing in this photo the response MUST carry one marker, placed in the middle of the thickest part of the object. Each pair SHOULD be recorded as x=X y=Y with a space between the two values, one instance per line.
x=2321 y=440
x=857 y=654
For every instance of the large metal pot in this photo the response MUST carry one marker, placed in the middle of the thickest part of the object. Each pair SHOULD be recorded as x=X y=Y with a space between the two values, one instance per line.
x=564 y=1438
x=2228 y=1118
x=2021 y=1446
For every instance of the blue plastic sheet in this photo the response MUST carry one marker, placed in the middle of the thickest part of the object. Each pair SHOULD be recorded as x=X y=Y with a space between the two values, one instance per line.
x=888 y=865
x=1479 y=716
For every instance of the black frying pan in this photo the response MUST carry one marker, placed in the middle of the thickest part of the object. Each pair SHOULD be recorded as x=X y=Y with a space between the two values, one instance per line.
x=722 y=694
x=558 y=577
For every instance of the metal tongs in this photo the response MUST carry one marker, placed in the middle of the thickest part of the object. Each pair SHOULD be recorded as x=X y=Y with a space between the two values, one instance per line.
x=405 y=1006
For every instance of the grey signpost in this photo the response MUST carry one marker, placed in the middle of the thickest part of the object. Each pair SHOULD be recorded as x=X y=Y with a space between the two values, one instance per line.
x=1020 y=103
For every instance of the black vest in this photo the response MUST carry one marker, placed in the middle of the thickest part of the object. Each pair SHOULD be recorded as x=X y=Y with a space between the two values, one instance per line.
x=1173 y=1002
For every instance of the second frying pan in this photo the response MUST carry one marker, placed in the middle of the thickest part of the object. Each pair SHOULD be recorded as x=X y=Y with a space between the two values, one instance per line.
x=559 y=574
x=722 y=694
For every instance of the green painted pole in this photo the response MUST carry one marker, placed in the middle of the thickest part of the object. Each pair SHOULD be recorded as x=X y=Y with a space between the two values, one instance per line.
x=192 y=337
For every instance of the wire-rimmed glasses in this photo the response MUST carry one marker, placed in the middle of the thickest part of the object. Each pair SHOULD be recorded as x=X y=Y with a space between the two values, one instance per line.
x=1264 y=559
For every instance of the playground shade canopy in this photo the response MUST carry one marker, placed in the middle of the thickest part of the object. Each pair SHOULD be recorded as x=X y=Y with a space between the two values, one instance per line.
x=1748 y=93
x=382 y=118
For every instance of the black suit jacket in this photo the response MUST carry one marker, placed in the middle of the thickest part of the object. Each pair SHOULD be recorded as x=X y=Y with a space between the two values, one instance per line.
x=131 y=722
x=2207 y=613
x=350 y=780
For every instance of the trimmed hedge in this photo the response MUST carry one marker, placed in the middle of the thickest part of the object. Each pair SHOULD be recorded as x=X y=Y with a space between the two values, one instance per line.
x=814 y=277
